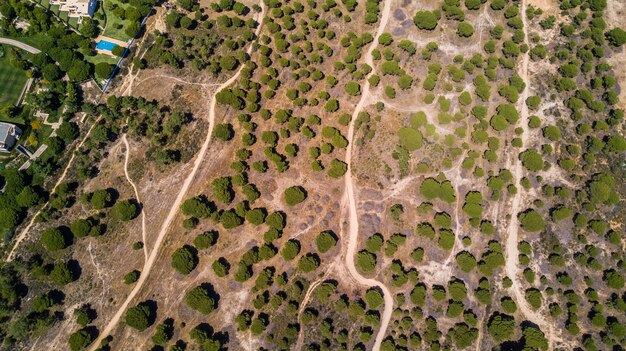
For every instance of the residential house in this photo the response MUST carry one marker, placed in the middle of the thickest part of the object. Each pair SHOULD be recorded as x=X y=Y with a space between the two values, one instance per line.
x=77 y=8
x=9 y=135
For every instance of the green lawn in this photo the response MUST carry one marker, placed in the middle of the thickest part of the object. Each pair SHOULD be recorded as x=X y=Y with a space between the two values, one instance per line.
x=114 y=25
x=73 y=22
x=12 y=80
x=102 y=58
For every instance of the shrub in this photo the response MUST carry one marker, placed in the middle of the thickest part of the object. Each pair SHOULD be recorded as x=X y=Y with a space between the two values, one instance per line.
x=325 y=241
x=613 y=279
x=140 y=317
x=184 y=260
x=202 y=298
x=294 y=195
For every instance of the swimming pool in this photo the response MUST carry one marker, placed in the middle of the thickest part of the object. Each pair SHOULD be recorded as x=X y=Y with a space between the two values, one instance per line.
x=105 y=45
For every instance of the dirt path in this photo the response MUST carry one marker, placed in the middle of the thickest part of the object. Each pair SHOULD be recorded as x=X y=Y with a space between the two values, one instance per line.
x=148 y=265
x=24 y=231
x=303 y=304
x=143 y=209
x=349 y=197
x=512 y=253
x=20 y=45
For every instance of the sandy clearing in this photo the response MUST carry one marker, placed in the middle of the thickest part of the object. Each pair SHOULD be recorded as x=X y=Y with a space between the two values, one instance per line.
x=176 y=204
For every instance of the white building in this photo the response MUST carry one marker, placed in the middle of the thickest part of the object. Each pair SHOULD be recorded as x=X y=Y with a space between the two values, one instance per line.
x=9 y=135
x=77 y=8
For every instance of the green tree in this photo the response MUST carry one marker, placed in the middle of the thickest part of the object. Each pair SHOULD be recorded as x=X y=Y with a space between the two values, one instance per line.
x=464 y=30
x=140 y=317
x=53 y=239
x=104 y=70
x=532 y=160
x=202 y=298
x=184 y=260
x=222 y=189
x=101 y=199
x=80 y=339
x=325 y=241
x=291 y=249
x=125 y=210
x=501 y=327
x=63 y=274
x=197 y=206
x=224 y=131
x=366 y=261
x=531 y=221
x=426 y=19
x=308 y=263
x=294 y=195
x=205 y=240
x=616 y=37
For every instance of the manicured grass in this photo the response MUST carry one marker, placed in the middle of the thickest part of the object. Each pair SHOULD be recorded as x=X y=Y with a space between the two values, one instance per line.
x=102 y=58
x=12 y=80
x=115 y=26
x=73 y=22
x=55 y=9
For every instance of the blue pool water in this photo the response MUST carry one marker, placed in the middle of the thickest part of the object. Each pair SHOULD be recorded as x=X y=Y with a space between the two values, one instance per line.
x=105 y=45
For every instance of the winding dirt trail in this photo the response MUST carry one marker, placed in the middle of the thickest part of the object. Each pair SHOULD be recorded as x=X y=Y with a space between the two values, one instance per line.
x=512 y=252
x=148 y=265
x=303 y=304
x=24 y=231
x=349 y=197
x=143 y=210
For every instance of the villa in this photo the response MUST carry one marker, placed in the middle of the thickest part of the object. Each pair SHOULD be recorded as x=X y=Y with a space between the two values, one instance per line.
x=77 y=8
x=9 y=135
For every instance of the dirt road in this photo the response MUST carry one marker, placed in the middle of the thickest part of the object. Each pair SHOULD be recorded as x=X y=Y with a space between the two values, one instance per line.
x=20 y=45
x=512 y=253
x=176 y=204
x=143 y=210
x=349 y=191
